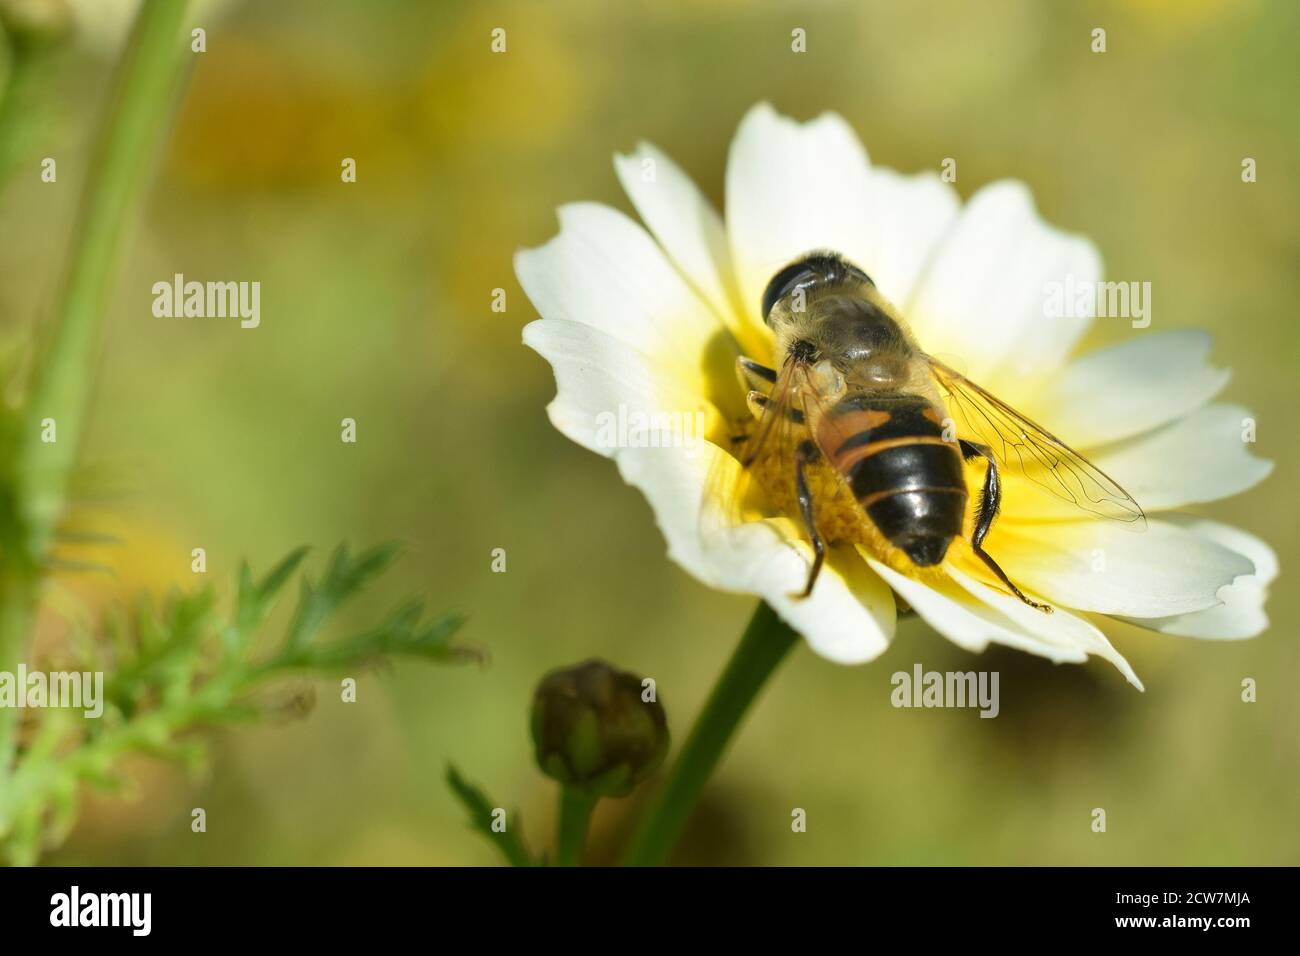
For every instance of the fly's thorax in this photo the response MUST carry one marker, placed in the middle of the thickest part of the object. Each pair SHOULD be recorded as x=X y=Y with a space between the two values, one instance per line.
x=850 y=326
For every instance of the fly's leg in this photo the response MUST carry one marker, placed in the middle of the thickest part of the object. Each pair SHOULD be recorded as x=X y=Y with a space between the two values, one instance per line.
x=757 y=380
x=758 y=402
x=754 y=376
x=806 y=455
x=989 y=504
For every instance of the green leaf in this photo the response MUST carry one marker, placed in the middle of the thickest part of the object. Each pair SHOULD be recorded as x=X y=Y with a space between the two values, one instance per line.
x=256 y=599
x=481 y=812
x=344 y=577
x=173 y=671
x=167 y=653
x=275 y=580
x=399 y=636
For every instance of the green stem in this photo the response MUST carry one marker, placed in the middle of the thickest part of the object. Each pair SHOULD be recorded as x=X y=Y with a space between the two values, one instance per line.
x=16 y=590
x=764 y=645
x=575 y=813
x=146 y=85
x=16 y=114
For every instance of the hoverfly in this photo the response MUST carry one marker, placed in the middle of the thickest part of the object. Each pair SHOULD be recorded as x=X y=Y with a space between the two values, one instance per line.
x=852 y=438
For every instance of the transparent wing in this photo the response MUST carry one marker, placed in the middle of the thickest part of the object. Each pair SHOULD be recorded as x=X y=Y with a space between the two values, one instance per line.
x=782 y=423
x=767 y=454
x=1021 y=445
x=757 y=479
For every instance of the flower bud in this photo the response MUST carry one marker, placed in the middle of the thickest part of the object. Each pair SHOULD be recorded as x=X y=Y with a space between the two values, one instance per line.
x=35 y=21
x=594 y=732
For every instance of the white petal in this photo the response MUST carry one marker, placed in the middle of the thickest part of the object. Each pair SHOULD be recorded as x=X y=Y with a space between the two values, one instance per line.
x=849 y=618
x=690 y=231
x=1129 y=388
x=796 y=187
x=1099 y=566
x=982 y=302
x=678 y=484
x=1198 y=458
x=605 y=271
x=971 y=615
x=964 y=621
x=907 y=218
x=1060 y=631
x=1242 y=613
x=792 y=188
x=1260 y=554
x=602 y=382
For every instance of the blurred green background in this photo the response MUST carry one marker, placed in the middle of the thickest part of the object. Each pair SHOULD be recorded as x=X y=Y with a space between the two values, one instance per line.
x=376 y=305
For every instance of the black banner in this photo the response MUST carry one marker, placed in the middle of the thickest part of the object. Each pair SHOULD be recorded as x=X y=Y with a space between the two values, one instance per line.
x=340 y=905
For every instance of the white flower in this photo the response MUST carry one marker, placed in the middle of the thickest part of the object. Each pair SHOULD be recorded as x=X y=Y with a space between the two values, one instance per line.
x=653 y=324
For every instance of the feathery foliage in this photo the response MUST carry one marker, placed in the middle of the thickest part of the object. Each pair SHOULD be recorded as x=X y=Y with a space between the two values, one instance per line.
x=185 y=665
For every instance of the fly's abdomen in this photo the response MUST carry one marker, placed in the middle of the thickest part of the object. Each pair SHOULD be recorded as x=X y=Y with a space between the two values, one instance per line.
x=891 y=451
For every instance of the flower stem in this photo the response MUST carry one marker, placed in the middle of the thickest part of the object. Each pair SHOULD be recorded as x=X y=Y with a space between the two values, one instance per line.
x=145 y=87
x=764 y=645
x=575 y=813
x=16 y=112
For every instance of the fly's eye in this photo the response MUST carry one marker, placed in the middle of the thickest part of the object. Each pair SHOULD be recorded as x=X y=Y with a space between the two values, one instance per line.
x=855 y=271
x=827 y=266
x=784 y=282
